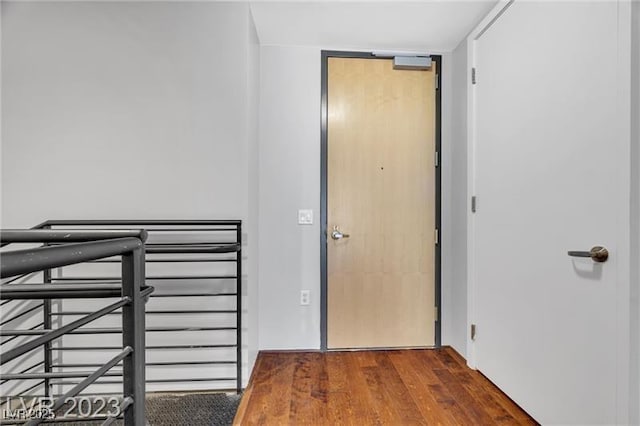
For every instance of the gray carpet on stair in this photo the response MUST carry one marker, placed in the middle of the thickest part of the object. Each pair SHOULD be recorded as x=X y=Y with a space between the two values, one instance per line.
x=192 y=409
x=189 y=409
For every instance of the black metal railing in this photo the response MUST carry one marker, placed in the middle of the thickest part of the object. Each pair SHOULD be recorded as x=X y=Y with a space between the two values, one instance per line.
x=194 y=332
x=64 y=249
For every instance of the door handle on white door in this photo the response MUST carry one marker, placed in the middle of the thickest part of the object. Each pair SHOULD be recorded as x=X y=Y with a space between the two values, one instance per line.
x=597 y=254
x=337 y=235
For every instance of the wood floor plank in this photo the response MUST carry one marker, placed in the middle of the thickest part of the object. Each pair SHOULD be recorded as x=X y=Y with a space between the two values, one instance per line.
x=491 y=406
x=361 y=399
x=246 y=397
x=469 y=404
x=256 y=396
x=418 y=385
x=508 y=411
x=301 y=404
x=397 y=387
x=273 y=393
x=381 y=405
x=339 y=401
x=430 y=364
x=511 y=407
x=319 y=392
x=407 y=412
x=281 y=394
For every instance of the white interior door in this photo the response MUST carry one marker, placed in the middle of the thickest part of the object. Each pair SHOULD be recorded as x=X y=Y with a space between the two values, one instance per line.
x=549 y=171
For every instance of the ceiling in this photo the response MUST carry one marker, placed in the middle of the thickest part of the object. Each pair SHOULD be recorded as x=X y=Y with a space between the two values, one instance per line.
x=425 y=26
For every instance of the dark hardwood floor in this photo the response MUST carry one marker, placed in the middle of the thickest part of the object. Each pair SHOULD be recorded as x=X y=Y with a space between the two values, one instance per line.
x=396 y=387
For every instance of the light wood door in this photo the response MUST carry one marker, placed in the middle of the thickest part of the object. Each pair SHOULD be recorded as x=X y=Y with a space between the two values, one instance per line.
x=381 y=192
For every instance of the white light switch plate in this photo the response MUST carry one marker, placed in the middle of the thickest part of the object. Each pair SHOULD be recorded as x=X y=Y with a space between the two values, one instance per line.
x=305 y=217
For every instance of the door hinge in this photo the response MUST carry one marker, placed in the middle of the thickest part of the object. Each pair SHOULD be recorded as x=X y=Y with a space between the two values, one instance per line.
x=437 y=159
x=473 y=75
x=473 y=332
x=437 y=236
x=474 y=204
x=437 y=81
x=435 y=314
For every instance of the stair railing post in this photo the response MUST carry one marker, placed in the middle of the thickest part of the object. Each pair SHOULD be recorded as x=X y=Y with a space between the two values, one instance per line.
x=239 y=309
x=133 y=335
x=46 y=312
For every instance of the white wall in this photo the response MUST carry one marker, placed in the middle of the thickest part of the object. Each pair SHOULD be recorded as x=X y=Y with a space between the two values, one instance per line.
x=123 y=110
x=290 y=180
x=253 y=85
x=131 y=110
x=635 y=216
x=455 y=321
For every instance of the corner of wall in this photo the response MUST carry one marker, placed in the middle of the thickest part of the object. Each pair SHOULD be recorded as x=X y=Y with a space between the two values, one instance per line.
x=455 y=310
x=635 y=216
x=447 y=225
x=253 y=106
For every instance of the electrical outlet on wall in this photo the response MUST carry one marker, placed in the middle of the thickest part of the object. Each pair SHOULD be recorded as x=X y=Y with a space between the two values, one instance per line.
x=305 y=297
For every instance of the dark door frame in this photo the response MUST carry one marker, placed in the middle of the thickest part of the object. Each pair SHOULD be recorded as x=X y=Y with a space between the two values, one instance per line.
x=326 y=54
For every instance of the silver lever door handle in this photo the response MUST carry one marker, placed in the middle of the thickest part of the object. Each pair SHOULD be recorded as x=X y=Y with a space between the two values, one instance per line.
x=337 y=235
x=597 y=254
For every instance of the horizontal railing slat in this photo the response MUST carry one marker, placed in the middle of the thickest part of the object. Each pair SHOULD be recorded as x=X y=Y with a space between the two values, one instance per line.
x=31 y=260
x=159 y=222
x=67 y=236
